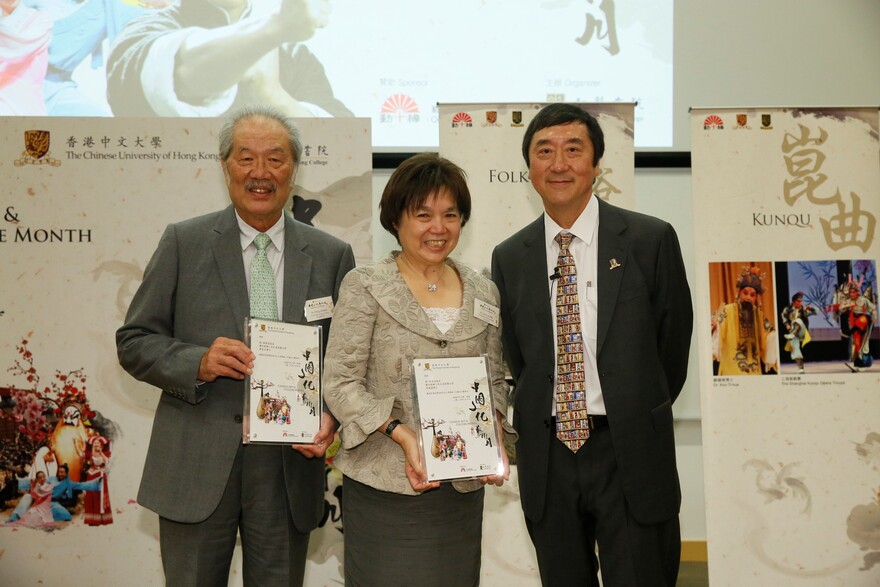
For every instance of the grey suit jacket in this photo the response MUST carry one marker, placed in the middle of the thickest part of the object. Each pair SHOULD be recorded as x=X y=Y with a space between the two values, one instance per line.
x=194 y=290
x=379 y=328
x=644 y=331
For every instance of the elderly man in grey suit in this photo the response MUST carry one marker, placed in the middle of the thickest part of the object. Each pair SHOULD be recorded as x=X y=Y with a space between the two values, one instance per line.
x=183 y=334
x=597 y=325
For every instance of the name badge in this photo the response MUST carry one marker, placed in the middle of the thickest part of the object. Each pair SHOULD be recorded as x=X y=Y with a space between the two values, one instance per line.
x=319 y=309
x=486 y=312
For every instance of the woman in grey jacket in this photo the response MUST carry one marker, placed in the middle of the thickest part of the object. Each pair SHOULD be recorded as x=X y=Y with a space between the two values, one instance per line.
x=399 y=528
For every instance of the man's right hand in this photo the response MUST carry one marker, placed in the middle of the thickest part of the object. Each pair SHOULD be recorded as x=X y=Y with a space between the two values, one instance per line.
x=226 y=357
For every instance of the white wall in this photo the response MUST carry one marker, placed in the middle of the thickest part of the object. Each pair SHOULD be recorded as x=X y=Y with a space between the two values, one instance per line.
x=774 y=53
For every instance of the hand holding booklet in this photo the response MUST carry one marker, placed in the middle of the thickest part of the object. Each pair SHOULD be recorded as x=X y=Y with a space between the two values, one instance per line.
x=283 y=398
x=455 y=418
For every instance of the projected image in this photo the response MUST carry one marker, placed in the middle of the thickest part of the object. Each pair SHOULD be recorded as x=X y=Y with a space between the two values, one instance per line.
x=391 y=61
x=52 y=54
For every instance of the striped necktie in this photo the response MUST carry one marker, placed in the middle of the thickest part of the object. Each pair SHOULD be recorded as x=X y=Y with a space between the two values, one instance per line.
x=571 y=400
x=263 y=298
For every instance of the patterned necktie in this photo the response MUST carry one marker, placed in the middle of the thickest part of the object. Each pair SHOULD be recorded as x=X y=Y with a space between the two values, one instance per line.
x=263 y=299
x=571 y=400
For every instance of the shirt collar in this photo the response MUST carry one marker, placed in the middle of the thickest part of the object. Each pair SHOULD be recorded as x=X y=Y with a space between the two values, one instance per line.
x=583 y=228
x=248 y=233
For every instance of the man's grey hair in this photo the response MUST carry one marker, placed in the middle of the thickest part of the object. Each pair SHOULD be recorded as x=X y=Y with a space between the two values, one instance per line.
x=294 y=138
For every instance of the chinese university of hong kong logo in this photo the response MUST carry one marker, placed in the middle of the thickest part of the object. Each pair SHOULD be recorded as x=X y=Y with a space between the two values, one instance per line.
x=713 y=122
x=36 y=150
x=462 y=119
x=516 y=118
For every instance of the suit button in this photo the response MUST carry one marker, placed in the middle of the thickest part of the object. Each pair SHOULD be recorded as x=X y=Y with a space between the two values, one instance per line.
x=237 y=419
x=443 y=344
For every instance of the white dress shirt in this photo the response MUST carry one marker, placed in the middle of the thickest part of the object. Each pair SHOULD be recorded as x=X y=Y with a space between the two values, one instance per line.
x=584 y=248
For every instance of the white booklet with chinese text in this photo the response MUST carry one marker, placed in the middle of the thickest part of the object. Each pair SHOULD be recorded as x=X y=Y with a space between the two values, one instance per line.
x=455 y=418
x=283 y=394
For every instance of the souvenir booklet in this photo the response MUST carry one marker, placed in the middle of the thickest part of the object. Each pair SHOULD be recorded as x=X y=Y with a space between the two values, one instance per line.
x=282 y=401
x=455 y=417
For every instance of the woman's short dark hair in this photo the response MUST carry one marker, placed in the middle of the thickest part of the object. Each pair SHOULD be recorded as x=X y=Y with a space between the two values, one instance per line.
x=559 y=113
x=417 y=178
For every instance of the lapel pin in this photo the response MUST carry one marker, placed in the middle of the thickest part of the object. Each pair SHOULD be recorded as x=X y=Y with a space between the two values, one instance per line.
x=614 y=264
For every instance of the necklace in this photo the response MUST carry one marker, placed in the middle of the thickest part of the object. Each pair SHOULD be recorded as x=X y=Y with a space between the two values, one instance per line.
x=432 y=287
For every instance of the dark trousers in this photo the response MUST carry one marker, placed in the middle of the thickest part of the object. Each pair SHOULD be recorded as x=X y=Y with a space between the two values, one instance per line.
x=255 y=505
x=585 y=506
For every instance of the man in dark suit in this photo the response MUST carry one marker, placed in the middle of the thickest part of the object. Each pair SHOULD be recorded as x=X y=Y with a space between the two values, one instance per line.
x=598 y=352
x=183 y=334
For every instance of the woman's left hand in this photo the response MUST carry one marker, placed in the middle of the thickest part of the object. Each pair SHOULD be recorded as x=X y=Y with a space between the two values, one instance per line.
x=499 y=479
x=505 y=476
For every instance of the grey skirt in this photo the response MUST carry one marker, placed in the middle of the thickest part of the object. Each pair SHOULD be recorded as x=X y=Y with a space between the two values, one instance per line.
x=426 y=540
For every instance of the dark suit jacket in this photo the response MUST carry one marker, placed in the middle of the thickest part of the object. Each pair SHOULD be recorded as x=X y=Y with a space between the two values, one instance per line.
x=644 y=332
x=194 y=290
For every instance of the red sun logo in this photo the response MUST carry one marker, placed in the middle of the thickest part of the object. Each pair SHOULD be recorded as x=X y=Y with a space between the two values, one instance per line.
x=713 y=121
x=400 y=103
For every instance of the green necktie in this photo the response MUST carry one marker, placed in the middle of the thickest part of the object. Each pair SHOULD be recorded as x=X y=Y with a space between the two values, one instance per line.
x=263 y=300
